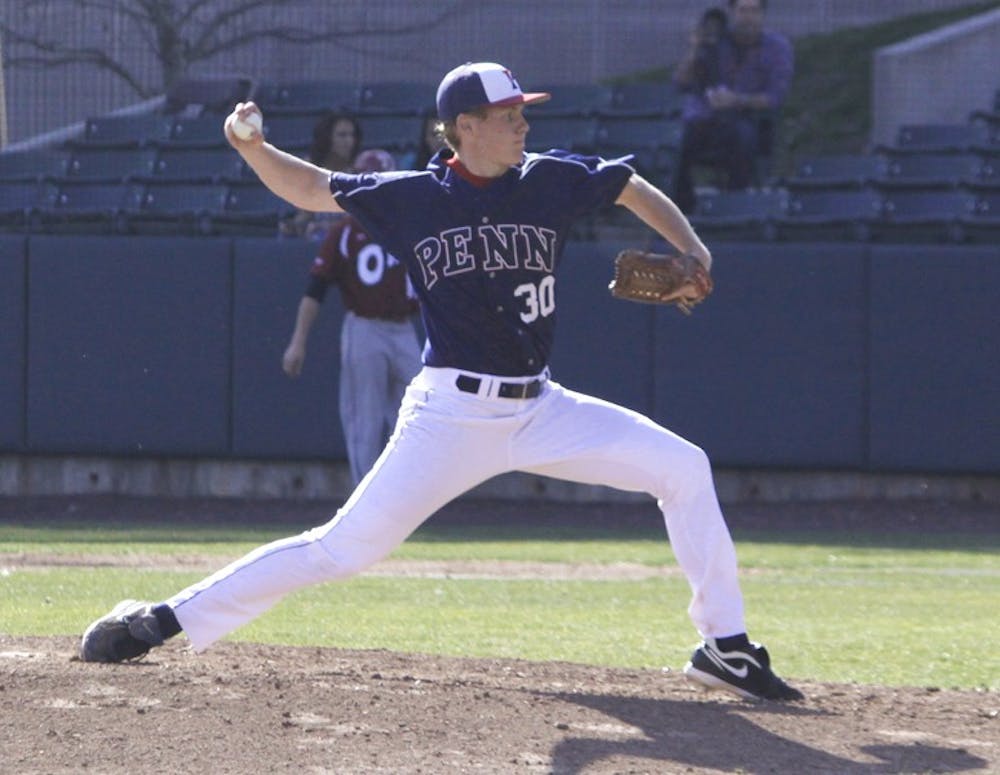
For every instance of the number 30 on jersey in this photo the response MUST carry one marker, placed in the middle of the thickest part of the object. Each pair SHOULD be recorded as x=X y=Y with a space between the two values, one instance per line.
x=537 y=300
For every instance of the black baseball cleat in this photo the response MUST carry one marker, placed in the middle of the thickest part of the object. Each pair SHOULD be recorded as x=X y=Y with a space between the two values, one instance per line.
x=128 y=632
x=745 y=672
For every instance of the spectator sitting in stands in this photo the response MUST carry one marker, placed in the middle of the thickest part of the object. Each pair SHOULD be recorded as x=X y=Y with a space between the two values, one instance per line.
x=726 y=123
x=335 y=144
x=431 y=141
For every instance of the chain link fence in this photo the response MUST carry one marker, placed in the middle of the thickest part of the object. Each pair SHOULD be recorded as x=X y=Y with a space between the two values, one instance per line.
x=102 y=57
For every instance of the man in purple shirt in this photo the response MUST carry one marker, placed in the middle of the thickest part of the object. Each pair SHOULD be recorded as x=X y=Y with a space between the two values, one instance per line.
x=725 y=120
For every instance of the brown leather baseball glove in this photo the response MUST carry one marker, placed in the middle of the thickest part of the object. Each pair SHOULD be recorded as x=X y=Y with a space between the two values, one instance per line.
x=655 y=278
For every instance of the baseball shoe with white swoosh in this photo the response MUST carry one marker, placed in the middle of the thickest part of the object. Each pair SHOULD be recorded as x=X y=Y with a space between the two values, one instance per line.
x=745 y=671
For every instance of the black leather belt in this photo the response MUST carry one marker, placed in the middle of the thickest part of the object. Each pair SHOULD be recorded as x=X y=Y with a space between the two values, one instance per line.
x=468 y=384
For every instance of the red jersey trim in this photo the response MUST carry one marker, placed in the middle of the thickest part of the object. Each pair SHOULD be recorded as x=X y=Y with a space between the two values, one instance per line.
x=463 y=172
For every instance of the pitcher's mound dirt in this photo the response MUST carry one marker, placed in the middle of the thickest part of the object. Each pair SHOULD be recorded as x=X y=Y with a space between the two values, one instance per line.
x=241 y=708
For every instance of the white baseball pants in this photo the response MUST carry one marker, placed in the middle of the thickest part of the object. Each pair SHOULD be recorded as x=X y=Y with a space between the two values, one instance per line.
x=447 y=442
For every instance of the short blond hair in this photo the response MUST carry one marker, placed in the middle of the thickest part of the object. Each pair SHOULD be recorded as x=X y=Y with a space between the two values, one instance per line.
x=448 y=130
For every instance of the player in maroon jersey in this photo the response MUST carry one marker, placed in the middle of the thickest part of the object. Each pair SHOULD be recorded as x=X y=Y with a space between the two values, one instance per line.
x=379 y=353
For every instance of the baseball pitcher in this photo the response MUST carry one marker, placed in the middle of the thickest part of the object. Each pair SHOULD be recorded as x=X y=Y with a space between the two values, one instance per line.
x=482 y=232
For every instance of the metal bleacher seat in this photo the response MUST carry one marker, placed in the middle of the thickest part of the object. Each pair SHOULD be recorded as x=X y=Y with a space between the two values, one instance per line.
x=36 y=165
x=195 y=96
x=307 y=96
x=393 y=133
x=639 y=132
x=656 y=165
x=990 y=118
x=570 y=133
x=829 y=215
x=944 y=138
x=929 y=215
x=654 y=143
x=410 y=98
x=133 y=131
x=644 y=99
x=934 y=170
x=177 y=208
x=117 y=164
x=982 y=224
x=197 y=132
x=21 y=201
x=251 y=210
x=199 y=165
x=740 y=214
x=90 y=208
x=290 y=132
x=837 y=171
x=573 y=99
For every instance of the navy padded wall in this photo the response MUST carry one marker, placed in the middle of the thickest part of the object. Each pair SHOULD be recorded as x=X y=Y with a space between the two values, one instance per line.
x=769 y=371
x=274 y=415
x=13 y=252
x=602 y=344
x=935 y=372
x=129 y=346
x=808 y=356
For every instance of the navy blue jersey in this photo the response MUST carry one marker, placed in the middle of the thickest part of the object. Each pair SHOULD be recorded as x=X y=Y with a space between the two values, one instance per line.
x=483 y=259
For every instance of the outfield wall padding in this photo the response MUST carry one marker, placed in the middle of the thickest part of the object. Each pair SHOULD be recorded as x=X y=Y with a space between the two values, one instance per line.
x=275 y=416
x=934 y=360
x=770 y=370
x=807 y=356
x=13 y=331
x=129 y=346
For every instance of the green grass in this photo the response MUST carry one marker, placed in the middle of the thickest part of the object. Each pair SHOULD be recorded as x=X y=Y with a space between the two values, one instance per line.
x=895 y=609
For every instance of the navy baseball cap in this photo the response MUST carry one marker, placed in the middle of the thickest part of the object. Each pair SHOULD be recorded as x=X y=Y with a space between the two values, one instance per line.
x=478 y=84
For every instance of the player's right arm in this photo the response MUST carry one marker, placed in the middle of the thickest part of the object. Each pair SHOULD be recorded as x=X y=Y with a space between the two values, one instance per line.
x=293 y=179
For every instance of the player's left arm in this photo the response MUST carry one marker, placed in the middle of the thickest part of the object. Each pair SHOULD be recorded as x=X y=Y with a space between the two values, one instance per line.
x=657 y=210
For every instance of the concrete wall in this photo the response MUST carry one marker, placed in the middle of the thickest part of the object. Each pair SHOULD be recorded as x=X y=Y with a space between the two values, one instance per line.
x=939 y=77
x=40 y=475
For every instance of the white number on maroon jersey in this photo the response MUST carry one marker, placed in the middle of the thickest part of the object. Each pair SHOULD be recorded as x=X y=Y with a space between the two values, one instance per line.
x=373 y=262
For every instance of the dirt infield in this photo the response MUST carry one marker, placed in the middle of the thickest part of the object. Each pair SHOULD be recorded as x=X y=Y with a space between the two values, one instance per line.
x=243 y=708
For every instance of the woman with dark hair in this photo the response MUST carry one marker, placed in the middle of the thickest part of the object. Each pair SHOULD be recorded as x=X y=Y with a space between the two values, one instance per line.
x=336 y=142
x=431 y=141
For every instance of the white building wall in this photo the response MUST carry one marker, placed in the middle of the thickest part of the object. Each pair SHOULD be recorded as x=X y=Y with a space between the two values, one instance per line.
x=937 y=78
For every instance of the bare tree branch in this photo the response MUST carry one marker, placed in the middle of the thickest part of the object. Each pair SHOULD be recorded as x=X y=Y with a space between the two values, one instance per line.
x=180 y=32
x=52 y=59
x=109 y=7
x=202 y=49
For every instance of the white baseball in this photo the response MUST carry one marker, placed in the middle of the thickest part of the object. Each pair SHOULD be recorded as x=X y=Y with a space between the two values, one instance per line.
x=243 y=128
